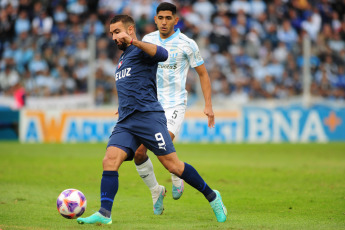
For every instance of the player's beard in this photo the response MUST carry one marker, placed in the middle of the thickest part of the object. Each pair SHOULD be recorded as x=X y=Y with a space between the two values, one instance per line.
x=122 y=46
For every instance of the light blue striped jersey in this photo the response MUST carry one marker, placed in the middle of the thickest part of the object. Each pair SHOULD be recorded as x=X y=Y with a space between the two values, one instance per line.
x=172 y=74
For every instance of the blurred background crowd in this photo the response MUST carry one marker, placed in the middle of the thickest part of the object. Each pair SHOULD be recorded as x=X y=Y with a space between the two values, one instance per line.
x=252 y=48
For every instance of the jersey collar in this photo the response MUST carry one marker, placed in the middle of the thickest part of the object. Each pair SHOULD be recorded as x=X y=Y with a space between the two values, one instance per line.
x=127 y=50
x=177 y=32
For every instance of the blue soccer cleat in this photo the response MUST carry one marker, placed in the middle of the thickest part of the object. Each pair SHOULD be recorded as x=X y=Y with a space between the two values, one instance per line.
x=96 y=218
x=177 y=191
x=218 y=208
x=158 y=207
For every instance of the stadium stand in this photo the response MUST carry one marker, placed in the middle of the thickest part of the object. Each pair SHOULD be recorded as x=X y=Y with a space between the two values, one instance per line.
x=252 y=49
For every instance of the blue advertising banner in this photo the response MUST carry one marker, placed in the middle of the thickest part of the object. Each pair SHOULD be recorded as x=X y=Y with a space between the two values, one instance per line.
x=259 y=124
x=228 y=128
x=249 y=124
x=293 y=124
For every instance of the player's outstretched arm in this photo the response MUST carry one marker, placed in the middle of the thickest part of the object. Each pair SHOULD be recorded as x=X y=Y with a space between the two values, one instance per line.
x=152 y=50
x=159 y=53
x=207 y=92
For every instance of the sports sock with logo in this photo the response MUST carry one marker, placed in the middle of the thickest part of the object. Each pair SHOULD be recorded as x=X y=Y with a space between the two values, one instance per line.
x=192 y=177
x=109 y=187
x=146 y=173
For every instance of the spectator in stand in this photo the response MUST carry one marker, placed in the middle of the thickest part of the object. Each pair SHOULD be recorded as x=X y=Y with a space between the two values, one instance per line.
x=19 y=95
x=22 y=24
x=336 y=43
x=37 y=65
x=204 y=8
x=312 y=27
x=60 y=33
x=42 y=24
x=46 y=83
x=81 y=73
x=59 y=14
x=257 y=8
x=287 y=34
x=240 y=6
x=295 y=19
x=9 y=77
x=6 y=29
x=82 y=53
x=93 y=26
x=79 y=8
x=105 y=64
x=239 y=95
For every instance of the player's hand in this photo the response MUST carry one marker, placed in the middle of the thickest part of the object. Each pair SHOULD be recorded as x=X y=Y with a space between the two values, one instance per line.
x=123 y=37
x=208 y=111
x=116 y=112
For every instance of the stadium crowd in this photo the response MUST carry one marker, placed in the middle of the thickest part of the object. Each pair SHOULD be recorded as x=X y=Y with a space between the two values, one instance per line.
x=252 y=49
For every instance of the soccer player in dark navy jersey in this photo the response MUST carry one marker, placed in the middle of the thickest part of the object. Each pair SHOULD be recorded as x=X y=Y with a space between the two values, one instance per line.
x=136 y=79
x=141 y=121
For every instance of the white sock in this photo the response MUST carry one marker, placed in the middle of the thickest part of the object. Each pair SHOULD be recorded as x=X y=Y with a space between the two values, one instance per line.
x=146 y=172
x=156 y=192
x=176 y=180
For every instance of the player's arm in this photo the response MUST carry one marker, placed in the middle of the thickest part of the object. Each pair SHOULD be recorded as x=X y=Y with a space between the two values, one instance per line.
x=149 y=48
x=207 y=92
x=157 y=53
x=154 y=51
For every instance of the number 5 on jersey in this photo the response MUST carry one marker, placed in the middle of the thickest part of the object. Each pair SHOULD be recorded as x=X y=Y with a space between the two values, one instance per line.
x=174 y=114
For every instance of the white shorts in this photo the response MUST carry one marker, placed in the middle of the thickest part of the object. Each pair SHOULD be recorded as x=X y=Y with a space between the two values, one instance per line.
x=175 y=116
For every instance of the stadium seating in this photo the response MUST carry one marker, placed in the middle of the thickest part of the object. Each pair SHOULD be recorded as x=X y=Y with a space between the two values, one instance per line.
x=252 y=49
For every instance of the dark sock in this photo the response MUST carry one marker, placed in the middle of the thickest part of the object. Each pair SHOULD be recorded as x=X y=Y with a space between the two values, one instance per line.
x=192 y=177
x=109 y=187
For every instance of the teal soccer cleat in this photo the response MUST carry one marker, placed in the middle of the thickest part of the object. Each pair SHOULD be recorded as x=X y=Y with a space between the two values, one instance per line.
x=158 y=207
x=177 y=191
x=218 y=208
x=96 y=218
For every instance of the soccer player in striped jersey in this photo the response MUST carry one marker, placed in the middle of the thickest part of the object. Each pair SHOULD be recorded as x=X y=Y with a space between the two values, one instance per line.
x=172 y=93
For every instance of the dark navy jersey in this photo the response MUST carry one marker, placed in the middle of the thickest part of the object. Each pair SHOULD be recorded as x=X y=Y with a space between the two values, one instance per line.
x=136 y=81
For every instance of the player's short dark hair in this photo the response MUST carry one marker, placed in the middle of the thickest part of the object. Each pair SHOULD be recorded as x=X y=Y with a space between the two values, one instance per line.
x=166 y=6
x=125 y=19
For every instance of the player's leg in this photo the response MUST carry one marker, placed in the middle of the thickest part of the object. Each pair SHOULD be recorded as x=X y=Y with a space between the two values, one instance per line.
x=177 y=182
x=175 y=116
x=112 y=160
x=121 y=147
x=145 y=169
x=156 y=138
x=192 y=177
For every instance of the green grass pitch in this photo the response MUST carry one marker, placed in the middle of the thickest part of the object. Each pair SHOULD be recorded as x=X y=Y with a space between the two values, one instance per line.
x=264 y=186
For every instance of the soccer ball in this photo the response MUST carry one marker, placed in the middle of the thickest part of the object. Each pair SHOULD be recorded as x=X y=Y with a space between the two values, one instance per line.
x=71 y=203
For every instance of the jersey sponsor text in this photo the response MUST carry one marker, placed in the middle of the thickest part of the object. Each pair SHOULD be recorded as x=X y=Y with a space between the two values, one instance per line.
x=123 y=73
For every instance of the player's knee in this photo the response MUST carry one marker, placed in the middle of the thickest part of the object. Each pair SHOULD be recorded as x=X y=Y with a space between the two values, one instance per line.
x=110 y=163
x=107 y=161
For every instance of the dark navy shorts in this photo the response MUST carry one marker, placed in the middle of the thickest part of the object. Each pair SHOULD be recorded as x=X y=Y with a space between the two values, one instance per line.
x=148 y=128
